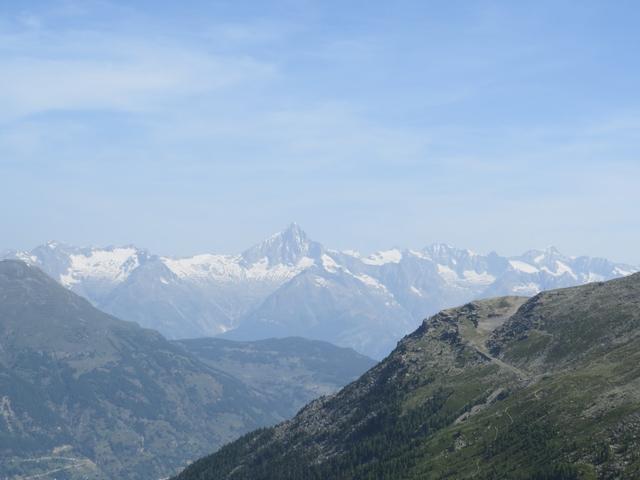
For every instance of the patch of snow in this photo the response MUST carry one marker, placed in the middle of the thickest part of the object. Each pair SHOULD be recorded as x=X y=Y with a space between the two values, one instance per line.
x=523 y=266
x=449 y=275
x=526 y=289
x=440 y=247
x=329 y=264
x=229 y=268
x=561 y=269
x=27 y=258
x=112 y=265
x=370 y=281
x=305 y=262
x=280 y=272
x=469 y=277
x=207 y=266
x=479 y=278
x=416 y=291
x=418 y=254
x=384 y=257
x=622 y=272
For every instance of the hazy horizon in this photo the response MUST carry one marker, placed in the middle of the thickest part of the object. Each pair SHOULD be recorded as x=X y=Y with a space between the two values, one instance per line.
x=240 y=249
x=207 y=126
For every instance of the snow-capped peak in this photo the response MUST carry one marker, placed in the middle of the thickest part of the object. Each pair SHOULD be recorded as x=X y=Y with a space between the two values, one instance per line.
x=439 y=248
x=112 y=264
x=287 y=247
x=52 y=244
x=443 y=252
x=542 y=257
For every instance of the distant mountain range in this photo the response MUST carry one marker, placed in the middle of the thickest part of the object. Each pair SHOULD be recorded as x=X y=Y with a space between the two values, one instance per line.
x=84 y=395
x=546 y=388
x=290 y=285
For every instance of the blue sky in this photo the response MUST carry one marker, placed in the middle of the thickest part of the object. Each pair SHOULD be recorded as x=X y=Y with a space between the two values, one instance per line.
x=204 y=126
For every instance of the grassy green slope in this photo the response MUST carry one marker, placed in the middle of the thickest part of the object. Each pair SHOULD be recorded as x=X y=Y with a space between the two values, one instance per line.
x=542 y=389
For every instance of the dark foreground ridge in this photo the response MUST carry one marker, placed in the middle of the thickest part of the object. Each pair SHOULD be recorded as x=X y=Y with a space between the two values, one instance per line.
x=546 y=388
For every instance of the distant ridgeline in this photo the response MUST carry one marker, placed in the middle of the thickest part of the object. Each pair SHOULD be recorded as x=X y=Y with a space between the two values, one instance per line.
x=84 y=395
x=507 y=388
x=290 y=285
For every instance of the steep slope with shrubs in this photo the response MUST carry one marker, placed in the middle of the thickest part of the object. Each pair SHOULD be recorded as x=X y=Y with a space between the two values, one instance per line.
x=546 y=388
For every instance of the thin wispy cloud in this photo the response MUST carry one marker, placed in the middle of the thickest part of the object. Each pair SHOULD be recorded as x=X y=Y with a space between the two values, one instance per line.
x=97 y=71
x=405 y=121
